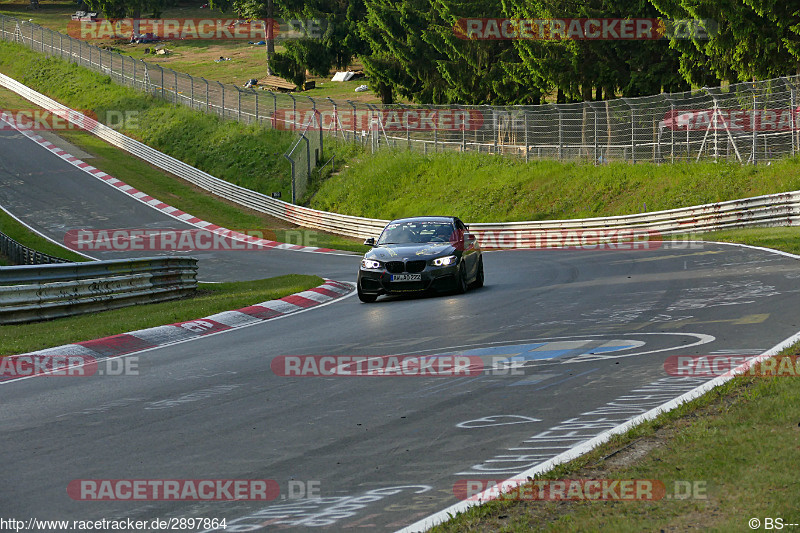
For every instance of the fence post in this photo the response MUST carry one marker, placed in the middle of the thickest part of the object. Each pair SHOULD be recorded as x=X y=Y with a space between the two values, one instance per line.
x=792 y=125
x=274 y=109
x=436 y=133
x=494 y=130
x=753 y=126
x=208 y=104
x=354 y=118
x=294 y=110
x=335 y=116
x=176 y=85
x=463 y=131
x=238 y=104
x=222 y=87
x=258 y=118
x=671 y=124
x=162 y=81
x=291 y=162
x=633 y=130
x=525 y=125
x=191 y=89
x=594 y=133
x=560 y=132
x=308 y=164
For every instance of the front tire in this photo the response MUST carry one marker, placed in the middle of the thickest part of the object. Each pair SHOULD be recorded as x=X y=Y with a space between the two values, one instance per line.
x=366 y=298
x=478 y=283
x=461 y=279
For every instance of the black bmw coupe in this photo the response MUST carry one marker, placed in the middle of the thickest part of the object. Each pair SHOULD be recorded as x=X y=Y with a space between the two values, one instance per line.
x=420 y=254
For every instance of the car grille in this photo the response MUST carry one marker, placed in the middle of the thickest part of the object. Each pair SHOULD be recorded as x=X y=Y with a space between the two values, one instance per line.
x=415 y=266
x=396 y=267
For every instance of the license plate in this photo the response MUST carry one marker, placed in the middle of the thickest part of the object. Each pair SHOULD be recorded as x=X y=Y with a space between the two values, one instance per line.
x=406 y=277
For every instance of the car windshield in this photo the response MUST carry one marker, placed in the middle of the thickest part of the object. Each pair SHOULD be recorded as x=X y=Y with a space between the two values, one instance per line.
x=416 y=232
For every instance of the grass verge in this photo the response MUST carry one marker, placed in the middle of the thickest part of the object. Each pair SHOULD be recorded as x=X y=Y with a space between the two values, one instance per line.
x=488 y=188
x=786 y=239
x=211 y=298
x=737 y=441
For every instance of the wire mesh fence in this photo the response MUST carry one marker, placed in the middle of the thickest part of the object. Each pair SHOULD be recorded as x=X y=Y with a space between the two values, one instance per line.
x=747 y=122
x=304 y=156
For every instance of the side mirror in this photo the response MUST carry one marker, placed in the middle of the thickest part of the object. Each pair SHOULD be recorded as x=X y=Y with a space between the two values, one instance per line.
x=469 y=239
x=370 y=241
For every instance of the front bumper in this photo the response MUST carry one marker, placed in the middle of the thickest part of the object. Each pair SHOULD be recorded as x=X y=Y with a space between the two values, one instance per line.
x=379 y=281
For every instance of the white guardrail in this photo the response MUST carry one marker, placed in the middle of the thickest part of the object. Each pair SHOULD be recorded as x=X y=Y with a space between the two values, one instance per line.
x=41 y=292
x=781 y=209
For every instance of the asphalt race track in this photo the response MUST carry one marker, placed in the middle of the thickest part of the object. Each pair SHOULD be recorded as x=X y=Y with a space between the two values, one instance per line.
x=591 y=331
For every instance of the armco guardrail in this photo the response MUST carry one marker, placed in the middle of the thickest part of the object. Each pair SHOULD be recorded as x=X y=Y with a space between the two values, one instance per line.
x=19 y=254
x=781 y=209
x=40 y=292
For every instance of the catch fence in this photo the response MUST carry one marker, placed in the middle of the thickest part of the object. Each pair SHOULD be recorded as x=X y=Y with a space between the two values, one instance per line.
x=747 y=122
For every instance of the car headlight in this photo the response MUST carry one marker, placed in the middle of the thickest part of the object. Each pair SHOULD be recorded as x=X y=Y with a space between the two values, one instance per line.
x=445 y=261
x=370 y=264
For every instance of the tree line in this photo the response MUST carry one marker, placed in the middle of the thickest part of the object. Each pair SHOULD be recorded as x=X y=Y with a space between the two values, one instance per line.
x=455 y=51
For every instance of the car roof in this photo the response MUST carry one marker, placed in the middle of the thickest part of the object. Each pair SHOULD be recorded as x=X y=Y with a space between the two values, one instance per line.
x=425 y=219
